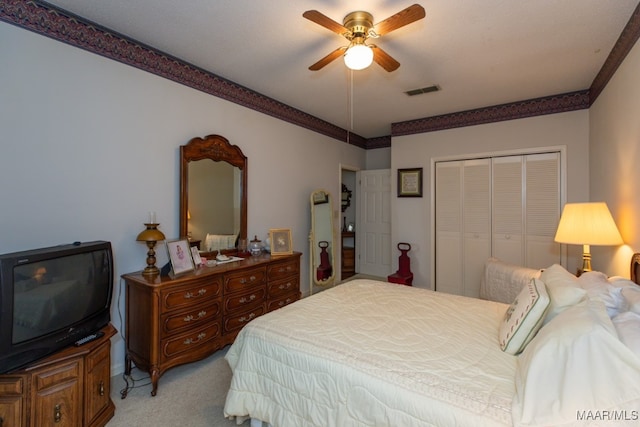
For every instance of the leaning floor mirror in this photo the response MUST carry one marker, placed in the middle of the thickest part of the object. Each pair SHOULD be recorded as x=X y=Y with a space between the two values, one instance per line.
x=321 y=240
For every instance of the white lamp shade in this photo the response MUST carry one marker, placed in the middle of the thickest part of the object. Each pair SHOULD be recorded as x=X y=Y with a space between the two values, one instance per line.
x=587 y=224
x=358 y=57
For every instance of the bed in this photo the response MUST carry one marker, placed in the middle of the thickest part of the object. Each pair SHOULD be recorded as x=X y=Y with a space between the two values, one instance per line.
x=369 y=353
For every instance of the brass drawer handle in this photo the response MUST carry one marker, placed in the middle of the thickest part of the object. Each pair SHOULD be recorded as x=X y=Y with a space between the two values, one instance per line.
x=101 y=388
x=245 y=299
x=286 y=302
x=201 y=336
x=191 y=317
x=201 y=292
x=244 y=281
x=287 y=286
x=247 y=319
x=57 y=413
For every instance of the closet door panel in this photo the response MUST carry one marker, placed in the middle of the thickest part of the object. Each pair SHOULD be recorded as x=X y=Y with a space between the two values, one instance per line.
x=448 y=228
x=507 y=209
x=542 y=209
x=477 y=222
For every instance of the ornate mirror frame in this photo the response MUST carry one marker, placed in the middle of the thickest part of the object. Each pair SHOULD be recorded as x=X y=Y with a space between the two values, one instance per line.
x=218 y=149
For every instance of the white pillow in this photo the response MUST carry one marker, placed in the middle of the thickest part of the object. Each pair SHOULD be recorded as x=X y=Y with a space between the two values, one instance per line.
x=575 y=364
x=503 y=282
x=632 y=298
x=564 y=290
x=599 y=287
x=628 y=328
x=524 y=317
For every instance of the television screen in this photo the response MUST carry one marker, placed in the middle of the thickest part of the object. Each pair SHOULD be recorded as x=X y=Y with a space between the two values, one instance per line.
x=51 y=294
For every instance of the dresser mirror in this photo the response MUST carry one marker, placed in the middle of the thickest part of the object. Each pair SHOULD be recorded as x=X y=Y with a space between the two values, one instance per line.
x=213 y=194
x=321 y=240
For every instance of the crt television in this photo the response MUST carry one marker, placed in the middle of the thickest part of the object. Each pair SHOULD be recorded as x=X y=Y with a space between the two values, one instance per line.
x=51 y=298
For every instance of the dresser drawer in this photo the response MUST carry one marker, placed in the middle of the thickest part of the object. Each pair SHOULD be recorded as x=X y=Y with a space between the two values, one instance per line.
x=237 y=321
x=280 y=287
x=282 y=301
x=283 y=269
x=196 y=292
x=245 y=300
x=235 y=282
x=191 y=342
x=192 y=318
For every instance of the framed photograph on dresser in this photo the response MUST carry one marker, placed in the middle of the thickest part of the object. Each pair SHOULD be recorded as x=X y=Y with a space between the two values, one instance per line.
x=180 y=256
x=281 y=241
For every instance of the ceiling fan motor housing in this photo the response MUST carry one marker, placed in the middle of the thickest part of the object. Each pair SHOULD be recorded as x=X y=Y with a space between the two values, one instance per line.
x=359 y=23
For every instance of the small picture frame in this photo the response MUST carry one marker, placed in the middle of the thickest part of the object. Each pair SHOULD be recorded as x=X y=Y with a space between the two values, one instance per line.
x=410 y=182
x=180 y=256
x=281 y=243
x=195 y=254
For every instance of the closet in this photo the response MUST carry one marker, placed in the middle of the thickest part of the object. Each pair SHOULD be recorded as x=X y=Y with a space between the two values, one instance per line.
x=502 y=206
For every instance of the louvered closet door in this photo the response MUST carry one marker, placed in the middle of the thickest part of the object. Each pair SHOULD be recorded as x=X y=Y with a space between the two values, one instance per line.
x=463 y=226
x=448 y=227
x=507 y=209
x=542 y=209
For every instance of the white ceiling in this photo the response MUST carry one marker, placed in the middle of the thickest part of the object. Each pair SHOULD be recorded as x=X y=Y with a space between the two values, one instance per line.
x=479 y=52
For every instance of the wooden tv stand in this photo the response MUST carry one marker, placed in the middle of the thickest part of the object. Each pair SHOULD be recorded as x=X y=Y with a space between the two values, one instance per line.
x=67 y=389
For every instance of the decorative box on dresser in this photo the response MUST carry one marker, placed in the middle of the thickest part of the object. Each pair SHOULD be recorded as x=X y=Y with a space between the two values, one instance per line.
x=172 y=321
x=70 y=388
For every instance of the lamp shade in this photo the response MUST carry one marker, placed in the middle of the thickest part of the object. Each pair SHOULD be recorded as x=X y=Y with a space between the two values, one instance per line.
x=587 y=224
x=358 y=57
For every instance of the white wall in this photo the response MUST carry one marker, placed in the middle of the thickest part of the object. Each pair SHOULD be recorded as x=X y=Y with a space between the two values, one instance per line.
x=89 y=146
x=615 y=162
x=411 y=217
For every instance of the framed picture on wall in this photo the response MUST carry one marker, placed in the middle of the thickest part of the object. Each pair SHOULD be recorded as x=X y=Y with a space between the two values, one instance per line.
x=180 y=256
x=410 y=182
x=280 y=241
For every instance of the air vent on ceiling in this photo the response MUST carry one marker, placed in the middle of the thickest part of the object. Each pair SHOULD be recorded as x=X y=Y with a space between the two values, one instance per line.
x=414 y=92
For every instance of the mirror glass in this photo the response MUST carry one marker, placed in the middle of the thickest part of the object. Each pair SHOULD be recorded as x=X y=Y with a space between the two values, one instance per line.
x=321 y=240
x=213 y=199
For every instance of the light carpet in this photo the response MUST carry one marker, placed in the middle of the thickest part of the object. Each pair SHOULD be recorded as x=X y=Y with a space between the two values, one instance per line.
x=191 y=395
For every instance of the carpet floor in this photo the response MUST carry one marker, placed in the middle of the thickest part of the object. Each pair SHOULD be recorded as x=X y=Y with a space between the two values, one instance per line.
x=191 y=395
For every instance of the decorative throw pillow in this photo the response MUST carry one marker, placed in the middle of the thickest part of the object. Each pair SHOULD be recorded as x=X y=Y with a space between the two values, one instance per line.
x=564 y=290
x=524 y=317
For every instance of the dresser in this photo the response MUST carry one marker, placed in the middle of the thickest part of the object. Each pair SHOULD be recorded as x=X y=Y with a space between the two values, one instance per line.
x=172 y=321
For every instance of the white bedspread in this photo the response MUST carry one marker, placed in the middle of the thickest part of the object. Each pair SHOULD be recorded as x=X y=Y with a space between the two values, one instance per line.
x=373 y=353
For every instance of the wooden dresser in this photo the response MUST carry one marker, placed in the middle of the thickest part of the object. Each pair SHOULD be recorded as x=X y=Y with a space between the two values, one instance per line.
x=70 y=388
x=172 y=321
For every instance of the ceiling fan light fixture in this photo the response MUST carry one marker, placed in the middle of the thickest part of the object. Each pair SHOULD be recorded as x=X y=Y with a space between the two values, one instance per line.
x=358 y=57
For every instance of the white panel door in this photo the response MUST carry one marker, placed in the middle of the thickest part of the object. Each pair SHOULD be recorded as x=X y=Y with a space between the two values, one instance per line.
x=374 y=228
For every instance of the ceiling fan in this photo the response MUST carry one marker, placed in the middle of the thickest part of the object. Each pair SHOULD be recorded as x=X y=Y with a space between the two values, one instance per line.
x=357 y=27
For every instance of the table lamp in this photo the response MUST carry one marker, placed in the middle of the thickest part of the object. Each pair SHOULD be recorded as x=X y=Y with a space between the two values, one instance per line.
x=151 y=235
x=587 y=224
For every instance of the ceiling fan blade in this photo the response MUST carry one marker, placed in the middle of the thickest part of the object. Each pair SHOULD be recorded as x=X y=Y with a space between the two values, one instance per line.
x=400 y=19
x=384 y=60
x=327 y=59
x=325 y=21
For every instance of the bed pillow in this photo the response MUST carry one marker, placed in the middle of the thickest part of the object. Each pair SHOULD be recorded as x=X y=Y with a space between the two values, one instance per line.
x=563 y=288
x=502 y=282
x=599 y=287
x=574 y=365
x=524 y=317
x=627 y=326
x=632 y=298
